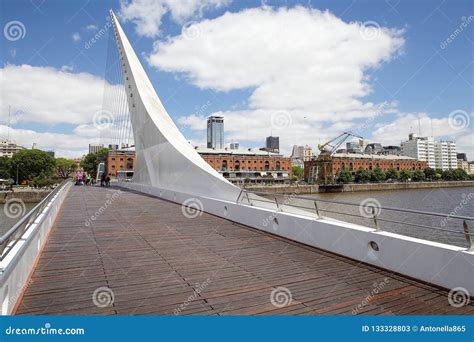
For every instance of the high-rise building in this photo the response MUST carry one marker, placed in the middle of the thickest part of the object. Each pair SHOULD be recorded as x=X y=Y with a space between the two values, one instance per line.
x=300 y=154
x=94 y=148
x=272 y=144
x=445 y=155
x=215 y=132
x=9 y=148
x=437 y=154
x=461 y=156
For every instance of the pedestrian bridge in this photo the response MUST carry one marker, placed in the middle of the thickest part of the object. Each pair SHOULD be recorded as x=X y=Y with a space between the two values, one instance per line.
x=148 y=256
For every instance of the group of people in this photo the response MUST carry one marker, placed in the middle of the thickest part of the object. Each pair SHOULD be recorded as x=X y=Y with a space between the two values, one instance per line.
x=83 y=178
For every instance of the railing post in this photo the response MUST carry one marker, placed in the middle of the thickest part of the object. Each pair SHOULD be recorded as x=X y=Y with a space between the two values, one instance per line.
x=316 y=207
x=468 y=237
x=374 y=216
x=248 y=199
x=276 y=201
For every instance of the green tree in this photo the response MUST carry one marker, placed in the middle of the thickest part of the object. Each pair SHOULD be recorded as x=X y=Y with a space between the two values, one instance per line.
x=405 y=175
x=430 y=174
x=65 y=167
x=377 y=175
x=5 y=167
x=92 y=160
x=460 y=174
x=31 y=164
x=392 y=174
x=449 y=175
x=362 y=176
x=345 y=176
x=297 y=171
x=418 y=176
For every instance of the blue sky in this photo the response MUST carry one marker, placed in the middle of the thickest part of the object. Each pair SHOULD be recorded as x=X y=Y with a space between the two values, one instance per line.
x=405 y=61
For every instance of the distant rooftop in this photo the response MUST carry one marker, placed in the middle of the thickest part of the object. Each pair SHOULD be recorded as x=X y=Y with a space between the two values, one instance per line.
x=240 y=151
x=370 y=156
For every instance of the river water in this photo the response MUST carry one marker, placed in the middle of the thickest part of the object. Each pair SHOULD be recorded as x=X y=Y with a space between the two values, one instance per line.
x=457 y=201
x=9 y=218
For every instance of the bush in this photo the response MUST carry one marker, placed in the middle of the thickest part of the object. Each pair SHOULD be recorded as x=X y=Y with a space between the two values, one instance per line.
x=418 y=176
x=377 y=175
x=345 y=176
x=405 y=175
x=362 y=176
x=392 y=174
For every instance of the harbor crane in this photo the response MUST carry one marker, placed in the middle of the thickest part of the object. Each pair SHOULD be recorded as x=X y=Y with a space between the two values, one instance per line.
x=324 y=165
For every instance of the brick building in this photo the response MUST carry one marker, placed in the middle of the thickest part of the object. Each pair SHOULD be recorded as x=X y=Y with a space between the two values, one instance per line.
x=330 y=167
x=119 y=161
x=255 y=165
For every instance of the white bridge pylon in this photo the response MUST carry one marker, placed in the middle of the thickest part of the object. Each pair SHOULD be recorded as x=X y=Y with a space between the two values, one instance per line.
x=164 y=158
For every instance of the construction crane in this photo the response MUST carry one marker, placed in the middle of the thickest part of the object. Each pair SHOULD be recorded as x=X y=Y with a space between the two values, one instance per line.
x=324 y=163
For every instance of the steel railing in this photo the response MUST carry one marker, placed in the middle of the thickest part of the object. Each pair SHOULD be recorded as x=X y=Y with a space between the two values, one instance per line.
x=9 y=239
x=372 y=211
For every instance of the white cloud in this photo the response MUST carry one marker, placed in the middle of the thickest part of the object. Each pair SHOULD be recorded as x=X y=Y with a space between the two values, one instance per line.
x=65 y=145
x=91 y=27
x=305 y=62
x=48 y=95
x=147 y=14
x=76 y=37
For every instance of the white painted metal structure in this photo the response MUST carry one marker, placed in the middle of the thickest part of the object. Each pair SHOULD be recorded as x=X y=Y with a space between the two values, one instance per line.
x=17 y=266
x=168 y=167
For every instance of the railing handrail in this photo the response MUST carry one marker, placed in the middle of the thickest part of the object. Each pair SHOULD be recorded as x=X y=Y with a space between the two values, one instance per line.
x=375 y=212
x=25 y=217
x=412 y=211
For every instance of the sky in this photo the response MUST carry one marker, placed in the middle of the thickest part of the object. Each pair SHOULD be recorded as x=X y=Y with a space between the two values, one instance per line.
x=305 y=71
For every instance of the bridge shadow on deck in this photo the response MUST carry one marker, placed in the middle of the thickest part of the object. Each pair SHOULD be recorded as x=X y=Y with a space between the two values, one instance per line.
x=151 y=259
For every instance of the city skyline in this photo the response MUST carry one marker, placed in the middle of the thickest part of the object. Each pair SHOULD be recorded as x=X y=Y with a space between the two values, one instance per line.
x=413 y=71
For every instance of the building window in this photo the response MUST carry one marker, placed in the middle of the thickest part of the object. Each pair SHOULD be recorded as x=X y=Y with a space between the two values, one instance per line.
x=130 y=164
x=278 y=165
x=237 y=165
x=267 y=165
x=224 y=165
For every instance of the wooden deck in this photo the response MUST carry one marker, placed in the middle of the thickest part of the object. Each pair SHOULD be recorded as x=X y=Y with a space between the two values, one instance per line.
x=158 y=262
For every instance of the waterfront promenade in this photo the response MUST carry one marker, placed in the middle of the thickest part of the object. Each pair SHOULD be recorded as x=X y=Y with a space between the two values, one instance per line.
x=155 y=260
